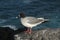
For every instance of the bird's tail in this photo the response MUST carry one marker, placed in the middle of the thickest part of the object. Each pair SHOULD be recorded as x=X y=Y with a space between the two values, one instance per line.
x=46 y=19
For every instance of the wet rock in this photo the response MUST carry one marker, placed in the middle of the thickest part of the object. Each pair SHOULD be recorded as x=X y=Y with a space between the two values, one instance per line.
x=44 y=34
x=6 y=33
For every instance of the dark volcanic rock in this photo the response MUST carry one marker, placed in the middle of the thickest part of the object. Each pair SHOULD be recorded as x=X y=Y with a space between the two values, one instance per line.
x=44 y=34
x=6 y=33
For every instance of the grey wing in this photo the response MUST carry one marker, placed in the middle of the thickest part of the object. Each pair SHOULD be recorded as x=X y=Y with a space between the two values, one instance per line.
x=34 y=20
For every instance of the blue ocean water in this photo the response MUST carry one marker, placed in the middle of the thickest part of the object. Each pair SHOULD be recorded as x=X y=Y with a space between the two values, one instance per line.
x=9 y=9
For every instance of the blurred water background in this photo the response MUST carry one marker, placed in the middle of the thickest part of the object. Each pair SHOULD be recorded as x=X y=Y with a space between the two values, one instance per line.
x=9 y=9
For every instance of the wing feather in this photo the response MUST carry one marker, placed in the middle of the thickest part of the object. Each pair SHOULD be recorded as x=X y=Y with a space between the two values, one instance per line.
x=34 y=20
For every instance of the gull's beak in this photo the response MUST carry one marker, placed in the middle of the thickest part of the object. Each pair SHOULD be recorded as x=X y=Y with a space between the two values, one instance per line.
x=16 y=16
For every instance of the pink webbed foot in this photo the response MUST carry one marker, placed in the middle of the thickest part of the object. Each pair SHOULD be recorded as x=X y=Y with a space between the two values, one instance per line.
x=29 y=31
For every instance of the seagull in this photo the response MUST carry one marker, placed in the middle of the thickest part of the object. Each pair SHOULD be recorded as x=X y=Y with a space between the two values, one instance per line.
x=30 y=22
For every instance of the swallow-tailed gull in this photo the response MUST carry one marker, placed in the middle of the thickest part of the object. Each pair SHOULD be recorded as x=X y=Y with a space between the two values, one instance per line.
x=30 y=22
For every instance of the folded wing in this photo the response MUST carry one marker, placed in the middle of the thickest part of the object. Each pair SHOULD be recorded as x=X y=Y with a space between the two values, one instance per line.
x=34 y=20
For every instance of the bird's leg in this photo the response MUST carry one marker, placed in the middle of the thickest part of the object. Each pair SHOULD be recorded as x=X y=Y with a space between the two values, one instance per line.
x=28 y=30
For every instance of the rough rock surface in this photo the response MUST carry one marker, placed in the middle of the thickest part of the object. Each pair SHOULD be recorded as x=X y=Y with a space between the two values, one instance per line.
x=44 y=34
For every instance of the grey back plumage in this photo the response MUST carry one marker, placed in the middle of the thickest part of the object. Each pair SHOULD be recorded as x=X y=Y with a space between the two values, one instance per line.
x=34 y=20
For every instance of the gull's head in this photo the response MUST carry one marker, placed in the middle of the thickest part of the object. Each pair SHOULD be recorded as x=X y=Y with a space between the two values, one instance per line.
x=21 y=15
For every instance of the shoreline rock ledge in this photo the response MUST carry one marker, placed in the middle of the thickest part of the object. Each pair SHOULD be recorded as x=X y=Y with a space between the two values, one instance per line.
x=44 y=34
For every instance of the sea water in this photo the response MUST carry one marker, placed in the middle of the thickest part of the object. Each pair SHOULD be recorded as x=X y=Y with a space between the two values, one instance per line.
x=49 y=9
